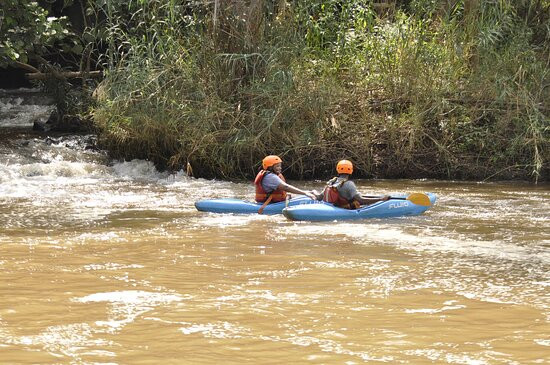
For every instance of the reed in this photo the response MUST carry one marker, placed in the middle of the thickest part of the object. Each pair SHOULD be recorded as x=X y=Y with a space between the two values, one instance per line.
x=446 y=92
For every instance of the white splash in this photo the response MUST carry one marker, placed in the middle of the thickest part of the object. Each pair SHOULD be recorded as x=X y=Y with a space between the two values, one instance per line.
x=131 y=297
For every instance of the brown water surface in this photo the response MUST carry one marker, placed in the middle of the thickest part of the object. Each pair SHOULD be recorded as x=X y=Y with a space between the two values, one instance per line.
x=109 y=263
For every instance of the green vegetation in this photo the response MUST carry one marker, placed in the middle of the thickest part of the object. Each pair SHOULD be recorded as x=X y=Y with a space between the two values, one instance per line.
x=455 y=89
x=27 y=31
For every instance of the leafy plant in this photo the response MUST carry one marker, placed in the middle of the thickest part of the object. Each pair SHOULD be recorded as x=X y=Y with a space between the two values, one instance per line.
x=27 y=30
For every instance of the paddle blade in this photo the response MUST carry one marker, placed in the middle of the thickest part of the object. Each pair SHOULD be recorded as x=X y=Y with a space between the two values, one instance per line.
x=419 y=199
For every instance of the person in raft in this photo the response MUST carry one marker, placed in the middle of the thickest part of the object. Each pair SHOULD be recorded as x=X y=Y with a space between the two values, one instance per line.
x=271 y=186
x=342 y=192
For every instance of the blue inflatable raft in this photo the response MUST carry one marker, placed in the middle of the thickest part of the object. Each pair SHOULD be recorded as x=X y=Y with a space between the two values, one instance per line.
x=231 y=205
x=395 y=207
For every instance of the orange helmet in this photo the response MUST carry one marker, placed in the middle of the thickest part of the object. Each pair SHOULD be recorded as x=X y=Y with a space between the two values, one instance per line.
x=270 y=160
x=344 y=167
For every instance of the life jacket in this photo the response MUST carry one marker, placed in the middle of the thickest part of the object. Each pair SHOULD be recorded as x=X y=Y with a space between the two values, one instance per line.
x=261 y=195
x=332 y=195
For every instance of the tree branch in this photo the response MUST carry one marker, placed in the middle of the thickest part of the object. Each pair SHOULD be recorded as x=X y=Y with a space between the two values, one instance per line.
x=25 y=66
x=63 y=75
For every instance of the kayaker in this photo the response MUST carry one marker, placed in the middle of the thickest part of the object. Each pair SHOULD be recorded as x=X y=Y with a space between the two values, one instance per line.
x=342 y=192
x=271 y=186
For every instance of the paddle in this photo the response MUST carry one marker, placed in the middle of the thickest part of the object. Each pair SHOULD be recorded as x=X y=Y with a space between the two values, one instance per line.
x=415 y=198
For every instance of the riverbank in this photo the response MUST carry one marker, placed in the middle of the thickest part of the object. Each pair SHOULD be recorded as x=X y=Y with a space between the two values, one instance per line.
x=313 y=127
x=409 y=89
x=415 y=94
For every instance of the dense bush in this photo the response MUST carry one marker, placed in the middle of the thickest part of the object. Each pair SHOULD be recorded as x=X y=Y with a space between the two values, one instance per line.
x=27 y=30
x=419 y=90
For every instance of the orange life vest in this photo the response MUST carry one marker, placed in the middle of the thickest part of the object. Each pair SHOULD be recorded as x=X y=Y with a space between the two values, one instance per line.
x=332 y=195
x=261 y=195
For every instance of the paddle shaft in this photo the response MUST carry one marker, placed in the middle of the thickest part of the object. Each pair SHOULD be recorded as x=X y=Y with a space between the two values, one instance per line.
x=381 y=196
x=415 y=198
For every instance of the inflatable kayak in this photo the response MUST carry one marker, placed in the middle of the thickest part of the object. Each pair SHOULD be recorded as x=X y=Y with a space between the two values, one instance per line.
x=397 y=206
x=246 y=207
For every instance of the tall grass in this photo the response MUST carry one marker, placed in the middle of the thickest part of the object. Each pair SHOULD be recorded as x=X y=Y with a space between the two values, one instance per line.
x=428 y=91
